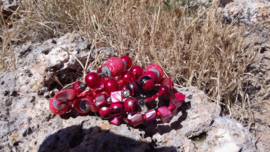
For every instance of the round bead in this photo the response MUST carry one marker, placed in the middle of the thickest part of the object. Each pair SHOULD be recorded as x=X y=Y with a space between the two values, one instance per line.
x=65 y=95
x=152 y=74
x=61 y=109
x=155 y=67
x=111 y=85
x=137 y=71
x=80 y=105
x=105 y=112
x=116 y=65
x=134 y=88
x=128 y=76
x=92 y=80
x=127 y=60
x=79 y=87
x=146 y=82
x=131 y=105
x=164 y=89
x=116 y=109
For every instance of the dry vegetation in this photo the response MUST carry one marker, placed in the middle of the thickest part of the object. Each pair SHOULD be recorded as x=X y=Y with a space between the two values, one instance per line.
x=196 y=49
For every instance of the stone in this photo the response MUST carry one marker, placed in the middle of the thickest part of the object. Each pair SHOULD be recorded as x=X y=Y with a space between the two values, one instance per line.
x=9 y=6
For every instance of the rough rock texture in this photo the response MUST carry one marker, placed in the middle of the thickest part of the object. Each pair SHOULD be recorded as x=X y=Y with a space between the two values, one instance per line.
x=254 y=11
x=228 y=135
x=27 y=124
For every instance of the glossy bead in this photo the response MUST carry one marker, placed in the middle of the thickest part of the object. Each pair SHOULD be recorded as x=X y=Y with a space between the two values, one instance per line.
x=164 y=90
x=116 y=66
x=127 y=77
x=136 y=119
x=150 y=115
x=115 y=120
x=65 y=95
x=127 y=61
x=61 y=109
x=167 y=82
x=81 y=106
x=111 y=85
x=105 y=112
x=155 y=68
x=79 y=87
x=92 y=80
x=165 y=114
x=93 y=107
x=134 y=88
x=174 y=101
x=151 y=74
x=146 y=83
x=173 y=108
x=116 y=97
x=180 y=97
x=137 y=71
x=131 y=105
x=101 y=100
x=116 y=109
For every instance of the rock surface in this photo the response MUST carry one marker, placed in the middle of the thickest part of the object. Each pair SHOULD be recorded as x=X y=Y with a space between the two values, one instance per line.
x=28 y=125
x=9 y=6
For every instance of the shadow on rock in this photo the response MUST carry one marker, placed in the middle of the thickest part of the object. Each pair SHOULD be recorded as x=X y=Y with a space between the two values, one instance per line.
x=94 y=139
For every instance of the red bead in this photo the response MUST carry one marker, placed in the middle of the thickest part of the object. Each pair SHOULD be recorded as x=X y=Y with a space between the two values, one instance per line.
x=101 y=100
x=116 y=109
x=116 y=97
x=174 y=101
x=61 y=109
x=164 y=90
x=165 y=114
x=131 y=105
x=93 y=107
x=124 y=87
x=180 y=97
x=127 y=60
x=146 y=82
x=111 y=85
x=65 y=95
x=92 y=80
x=81 y=106
x=150 y=115
x=115 y=120
x=153 y=75
x=128 y=76
x=167 y=82
x=137 y=71
x=157 y=68
x=116 y=65
x=105 y=112
x=134 y=88
x=136 y=119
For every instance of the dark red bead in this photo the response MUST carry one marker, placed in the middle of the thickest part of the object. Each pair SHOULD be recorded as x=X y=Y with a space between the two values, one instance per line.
x=155 y=68
x=137 y=71
x=62 y=108
x=131 y=105
x=116 y=109
x=127 y=60
x=128 y=76
x=164 y=90
x=116 y=65
x=92 y=80
x=81 y=106
x=65 y=95
x=79 y=87
x=152 y=74
x=150 y=115
x=111 y=85
x=105 y=112
x=101 y=100
x=134 y=88
x=146 y=83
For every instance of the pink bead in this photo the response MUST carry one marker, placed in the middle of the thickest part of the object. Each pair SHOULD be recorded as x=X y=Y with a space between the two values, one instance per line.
x=101 y=100
x=128 y=76
x=116 y=65
x=152 y=74
x=111 y=85
x=136 y=119
x=155 y=67
x=105 y=112
x=115 y=121
x=116 y=109
x=59 y=110
x=65 y=95
x=92 y=80
x=150 y=115
x=116 y=97
x=127 y=60
x=131 y=105
x=174 y=109
x=137 y=71
x=81 y=106
x=167 y=82
x=146 y=82
x=174 y=101
x=165 y=114
x=164 y=90
x=180 y=97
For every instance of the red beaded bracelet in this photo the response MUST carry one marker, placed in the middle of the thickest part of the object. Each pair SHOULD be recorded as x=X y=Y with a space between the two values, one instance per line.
x=113 y=92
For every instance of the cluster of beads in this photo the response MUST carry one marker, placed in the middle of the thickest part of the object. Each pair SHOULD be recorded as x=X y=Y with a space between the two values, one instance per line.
x=114 y=90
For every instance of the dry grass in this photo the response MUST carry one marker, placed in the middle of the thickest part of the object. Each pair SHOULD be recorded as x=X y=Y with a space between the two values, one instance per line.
x=195 y=50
